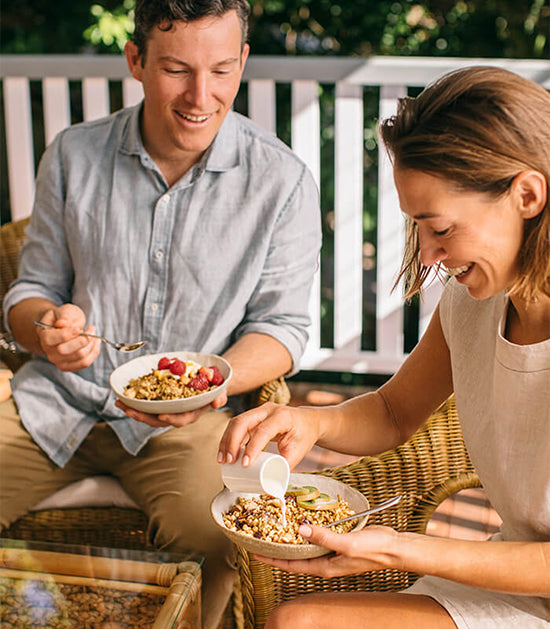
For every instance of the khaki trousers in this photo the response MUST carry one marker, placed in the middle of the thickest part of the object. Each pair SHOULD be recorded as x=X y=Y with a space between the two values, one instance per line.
x=173 y=478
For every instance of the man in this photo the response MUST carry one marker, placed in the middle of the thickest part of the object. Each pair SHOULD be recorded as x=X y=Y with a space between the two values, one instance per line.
x=177 y=221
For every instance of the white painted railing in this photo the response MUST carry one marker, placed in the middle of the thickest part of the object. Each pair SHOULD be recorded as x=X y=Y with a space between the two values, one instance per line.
x=392 y=74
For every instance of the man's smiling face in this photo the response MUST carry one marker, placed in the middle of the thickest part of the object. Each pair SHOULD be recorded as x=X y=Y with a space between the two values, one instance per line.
x=190 y=74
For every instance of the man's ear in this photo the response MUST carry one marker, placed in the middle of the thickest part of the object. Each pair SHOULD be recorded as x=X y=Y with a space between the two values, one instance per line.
x=244 y=55
x=133 y=59
x=530 y=190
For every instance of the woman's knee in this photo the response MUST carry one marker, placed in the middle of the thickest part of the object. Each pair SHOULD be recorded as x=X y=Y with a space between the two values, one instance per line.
x=297 y=613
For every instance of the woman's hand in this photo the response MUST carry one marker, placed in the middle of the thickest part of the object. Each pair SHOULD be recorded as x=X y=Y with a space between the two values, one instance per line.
x=295 y=429
x=372 y=548
x=177 y=420
x=514 y=567
x=64 y=346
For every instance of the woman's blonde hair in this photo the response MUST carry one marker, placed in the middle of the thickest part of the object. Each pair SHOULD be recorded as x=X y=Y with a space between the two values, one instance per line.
x=478 y=128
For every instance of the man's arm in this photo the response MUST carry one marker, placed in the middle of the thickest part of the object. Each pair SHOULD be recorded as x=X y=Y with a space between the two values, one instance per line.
x=278 y=308
x=256 y=359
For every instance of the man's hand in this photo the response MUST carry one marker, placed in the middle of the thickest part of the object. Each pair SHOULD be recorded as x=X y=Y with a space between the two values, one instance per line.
x=176 y=420
x=64 y=346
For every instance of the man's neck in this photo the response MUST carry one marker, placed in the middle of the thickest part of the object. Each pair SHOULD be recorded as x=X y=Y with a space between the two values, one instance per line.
x=174 y=169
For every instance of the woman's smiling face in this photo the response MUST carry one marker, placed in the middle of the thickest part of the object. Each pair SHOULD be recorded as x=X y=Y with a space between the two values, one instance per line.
x=474 y=236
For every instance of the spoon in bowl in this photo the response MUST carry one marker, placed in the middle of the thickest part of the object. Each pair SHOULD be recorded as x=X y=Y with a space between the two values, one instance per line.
x=383 y=505
x=121 y=347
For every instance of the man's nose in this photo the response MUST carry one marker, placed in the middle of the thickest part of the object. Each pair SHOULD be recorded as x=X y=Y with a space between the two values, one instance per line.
x=197 y=90
x=431 y=250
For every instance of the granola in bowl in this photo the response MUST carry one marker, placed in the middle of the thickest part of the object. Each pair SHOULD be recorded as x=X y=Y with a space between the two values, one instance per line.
x=172 y=379
x=262 y=518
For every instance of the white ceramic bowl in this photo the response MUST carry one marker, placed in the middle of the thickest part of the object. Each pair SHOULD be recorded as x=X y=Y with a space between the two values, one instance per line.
x=226 y=499
x=143 y=364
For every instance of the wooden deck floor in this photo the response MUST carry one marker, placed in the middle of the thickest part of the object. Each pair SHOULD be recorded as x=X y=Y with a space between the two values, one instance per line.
x=466 y=515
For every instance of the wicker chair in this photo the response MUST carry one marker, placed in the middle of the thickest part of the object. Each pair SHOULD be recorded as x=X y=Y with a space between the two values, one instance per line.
x=428 y=468
x=97 y=526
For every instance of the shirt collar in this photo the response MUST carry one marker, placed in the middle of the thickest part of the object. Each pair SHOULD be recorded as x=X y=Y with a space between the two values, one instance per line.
x=223 y=154
x=225 y=150
x=131 y=138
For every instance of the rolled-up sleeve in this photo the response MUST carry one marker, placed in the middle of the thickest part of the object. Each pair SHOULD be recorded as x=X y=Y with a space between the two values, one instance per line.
x=279 y=306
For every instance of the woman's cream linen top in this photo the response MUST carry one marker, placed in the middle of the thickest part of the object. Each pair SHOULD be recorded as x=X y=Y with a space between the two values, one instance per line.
x=502 y=395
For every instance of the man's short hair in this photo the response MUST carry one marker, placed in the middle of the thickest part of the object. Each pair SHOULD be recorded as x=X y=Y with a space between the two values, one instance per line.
x=162 y=13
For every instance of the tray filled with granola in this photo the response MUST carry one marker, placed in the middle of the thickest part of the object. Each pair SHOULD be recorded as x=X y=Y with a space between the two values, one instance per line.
x=171 y=382
x=260 y=524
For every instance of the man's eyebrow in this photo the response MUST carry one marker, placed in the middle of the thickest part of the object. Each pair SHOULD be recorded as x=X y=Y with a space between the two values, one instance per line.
x=180 y=62
x=227 y=61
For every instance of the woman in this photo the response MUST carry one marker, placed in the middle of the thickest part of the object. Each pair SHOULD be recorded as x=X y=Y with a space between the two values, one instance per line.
x=471 y=157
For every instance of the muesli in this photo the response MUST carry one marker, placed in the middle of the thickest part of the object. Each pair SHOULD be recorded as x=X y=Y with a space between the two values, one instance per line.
x=261 y=516
x=173 y=379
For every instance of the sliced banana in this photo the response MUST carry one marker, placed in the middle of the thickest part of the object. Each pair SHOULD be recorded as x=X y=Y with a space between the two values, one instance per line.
x=303 y=493
x=323 y=502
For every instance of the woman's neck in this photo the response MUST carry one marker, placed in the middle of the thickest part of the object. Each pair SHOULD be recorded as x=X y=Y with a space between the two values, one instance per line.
x=528 y=322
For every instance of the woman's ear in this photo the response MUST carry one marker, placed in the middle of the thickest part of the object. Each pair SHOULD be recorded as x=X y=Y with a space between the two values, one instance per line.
x=530 y=190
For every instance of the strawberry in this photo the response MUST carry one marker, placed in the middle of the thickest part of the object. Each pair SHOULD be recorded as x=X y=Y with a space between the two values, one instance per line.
x=199 y=382
x=164 y=363
x=177 y=367
x=217 y=377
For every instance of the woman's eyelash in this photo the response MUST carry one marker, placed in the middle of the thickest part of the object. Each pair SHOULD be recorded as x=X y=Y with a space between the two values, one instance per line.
x=441 y=232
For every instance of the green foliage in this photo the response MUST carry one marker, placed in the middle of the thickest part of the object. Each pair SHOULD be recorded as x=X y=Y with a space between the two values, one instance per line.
x=487 y=28
x=468 y=28
x=112 y=29
x=43 y=26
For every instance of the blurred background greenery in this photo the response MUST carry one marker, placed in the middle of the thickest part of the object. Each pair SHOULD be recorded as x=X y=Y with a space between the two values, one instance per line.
x=436 y=28
x=465 y=28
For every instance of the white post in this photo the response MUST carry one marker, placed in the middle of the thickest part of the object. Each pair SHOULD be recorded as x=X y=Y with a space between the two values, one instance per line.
x=431 y=295
x=132 y=91
x=391 y=241
x=262 y=103
x=348 y=216
x=95 y=98
x=57 y=106
x=306 y=143
x=19 y=145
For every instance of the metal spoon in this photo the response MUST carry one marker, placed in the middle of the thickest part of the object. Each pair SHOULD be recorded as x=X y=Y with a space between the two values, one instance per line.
x=121 y=347
x=383 y=505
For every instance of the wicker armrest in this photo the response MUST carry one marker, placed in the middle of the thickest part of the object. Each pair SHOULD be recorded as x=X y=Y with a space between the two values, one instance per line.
x=425 y=470
x=12 y=236
x=273 y=391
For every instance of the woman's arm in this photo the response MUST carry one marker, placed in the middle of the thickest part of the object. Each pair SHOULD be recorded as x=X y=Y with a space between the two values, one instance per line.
x=367 y=424
x=513 y=567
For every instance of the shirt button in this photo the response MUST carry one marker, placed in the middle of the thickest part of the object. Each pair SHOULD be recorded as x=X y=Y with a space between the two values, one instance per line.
x=154 y=307
x=159 y=255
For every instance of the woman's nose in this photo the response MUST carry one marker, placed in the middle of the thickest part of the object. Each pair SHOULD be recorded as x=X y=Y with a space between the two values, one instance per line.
x=431 y=251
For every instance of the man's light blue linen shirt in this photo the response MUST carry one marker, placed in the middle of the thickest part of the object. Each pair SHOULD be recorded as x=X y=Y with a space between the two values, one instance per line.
x=230 y=249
